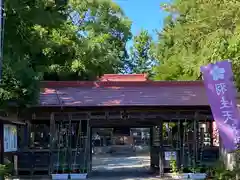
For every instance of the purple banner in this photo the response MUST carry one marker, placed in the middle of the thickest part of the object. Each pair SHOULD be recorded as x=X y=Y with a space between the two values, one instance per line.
x=222 y=94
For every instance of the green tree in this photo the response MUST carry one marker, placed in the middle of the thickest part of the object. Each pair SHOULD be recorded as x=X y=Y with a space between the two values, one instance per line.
x=103 y=30
x=29 y=28
x=141 y=58
x=59 y=40
x=196 y=33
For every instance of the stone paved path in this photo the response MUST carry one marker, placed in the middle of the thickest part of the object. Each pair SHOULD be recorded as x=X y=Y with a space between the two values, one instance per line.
x=131 y=178
x=120 y=162
x=117 y=167
x=110 y=178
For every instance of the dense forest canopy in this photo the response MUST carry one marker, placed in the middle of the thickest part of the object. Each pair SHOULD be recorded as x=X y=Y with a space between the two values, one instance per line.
x=82 y=40
x=195 y=33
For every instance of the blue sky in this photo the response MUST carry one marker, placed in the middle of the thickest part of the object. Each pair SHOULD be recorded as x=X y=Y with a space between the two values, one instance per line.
x=145 y=14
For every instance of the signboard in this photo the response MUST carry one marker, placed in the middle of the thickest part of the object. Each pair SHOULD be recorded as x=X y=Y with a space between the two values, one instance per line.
x=10 y=138
x=221 y=93
x=170 y=155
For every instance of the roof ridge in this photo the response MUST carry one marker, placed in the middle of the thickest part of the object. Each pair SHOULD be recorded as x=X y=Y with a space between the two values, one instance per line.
x=117 y=83
x=123 y=77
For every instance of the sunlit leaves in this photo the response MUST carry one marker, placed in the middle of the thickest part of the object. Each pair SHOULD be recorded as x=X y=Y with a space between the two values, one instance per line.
x=204 y=31
x=141 y=57
x=104 y=31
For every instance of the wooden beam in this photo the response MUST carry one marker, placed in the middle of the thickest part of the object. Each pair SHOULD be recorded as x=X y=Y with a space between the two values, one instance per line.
x=50 y=109
x=131 y=115
x=12 y=120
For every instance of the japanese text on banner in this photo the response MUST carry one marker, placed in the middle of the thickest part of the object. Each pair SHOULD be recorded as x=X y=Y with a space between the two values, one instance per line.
x=227 y=109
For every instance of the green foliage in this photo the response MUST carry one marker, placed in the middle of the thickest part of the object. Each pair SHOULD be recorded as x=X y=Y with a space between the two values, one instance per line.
x=6 y=170
x=3 y=169
x=196 y=33
x=59 y=40
x=173 y=165
x=141 y=57
x=102 y=30
x=219 y=171
x=170 y=126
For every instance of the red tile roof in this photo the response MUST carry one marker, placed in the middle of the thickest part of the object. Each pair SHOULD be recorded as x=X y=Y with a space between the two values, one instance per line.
x=123 y=93
x=124 y=77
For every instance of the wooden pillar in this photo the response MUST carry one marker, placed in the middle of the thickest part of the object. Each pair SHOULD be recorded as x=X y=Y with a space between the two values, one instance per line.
x=52 y=141
x=151 y=148
x=195 y=129
x=22 y=130
x=179 y=147
x=1 y=145
x=88 y=148
x=69 y=149
x=211 y=132
x=155 y=148
x=161 y=150
x=28 y=131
